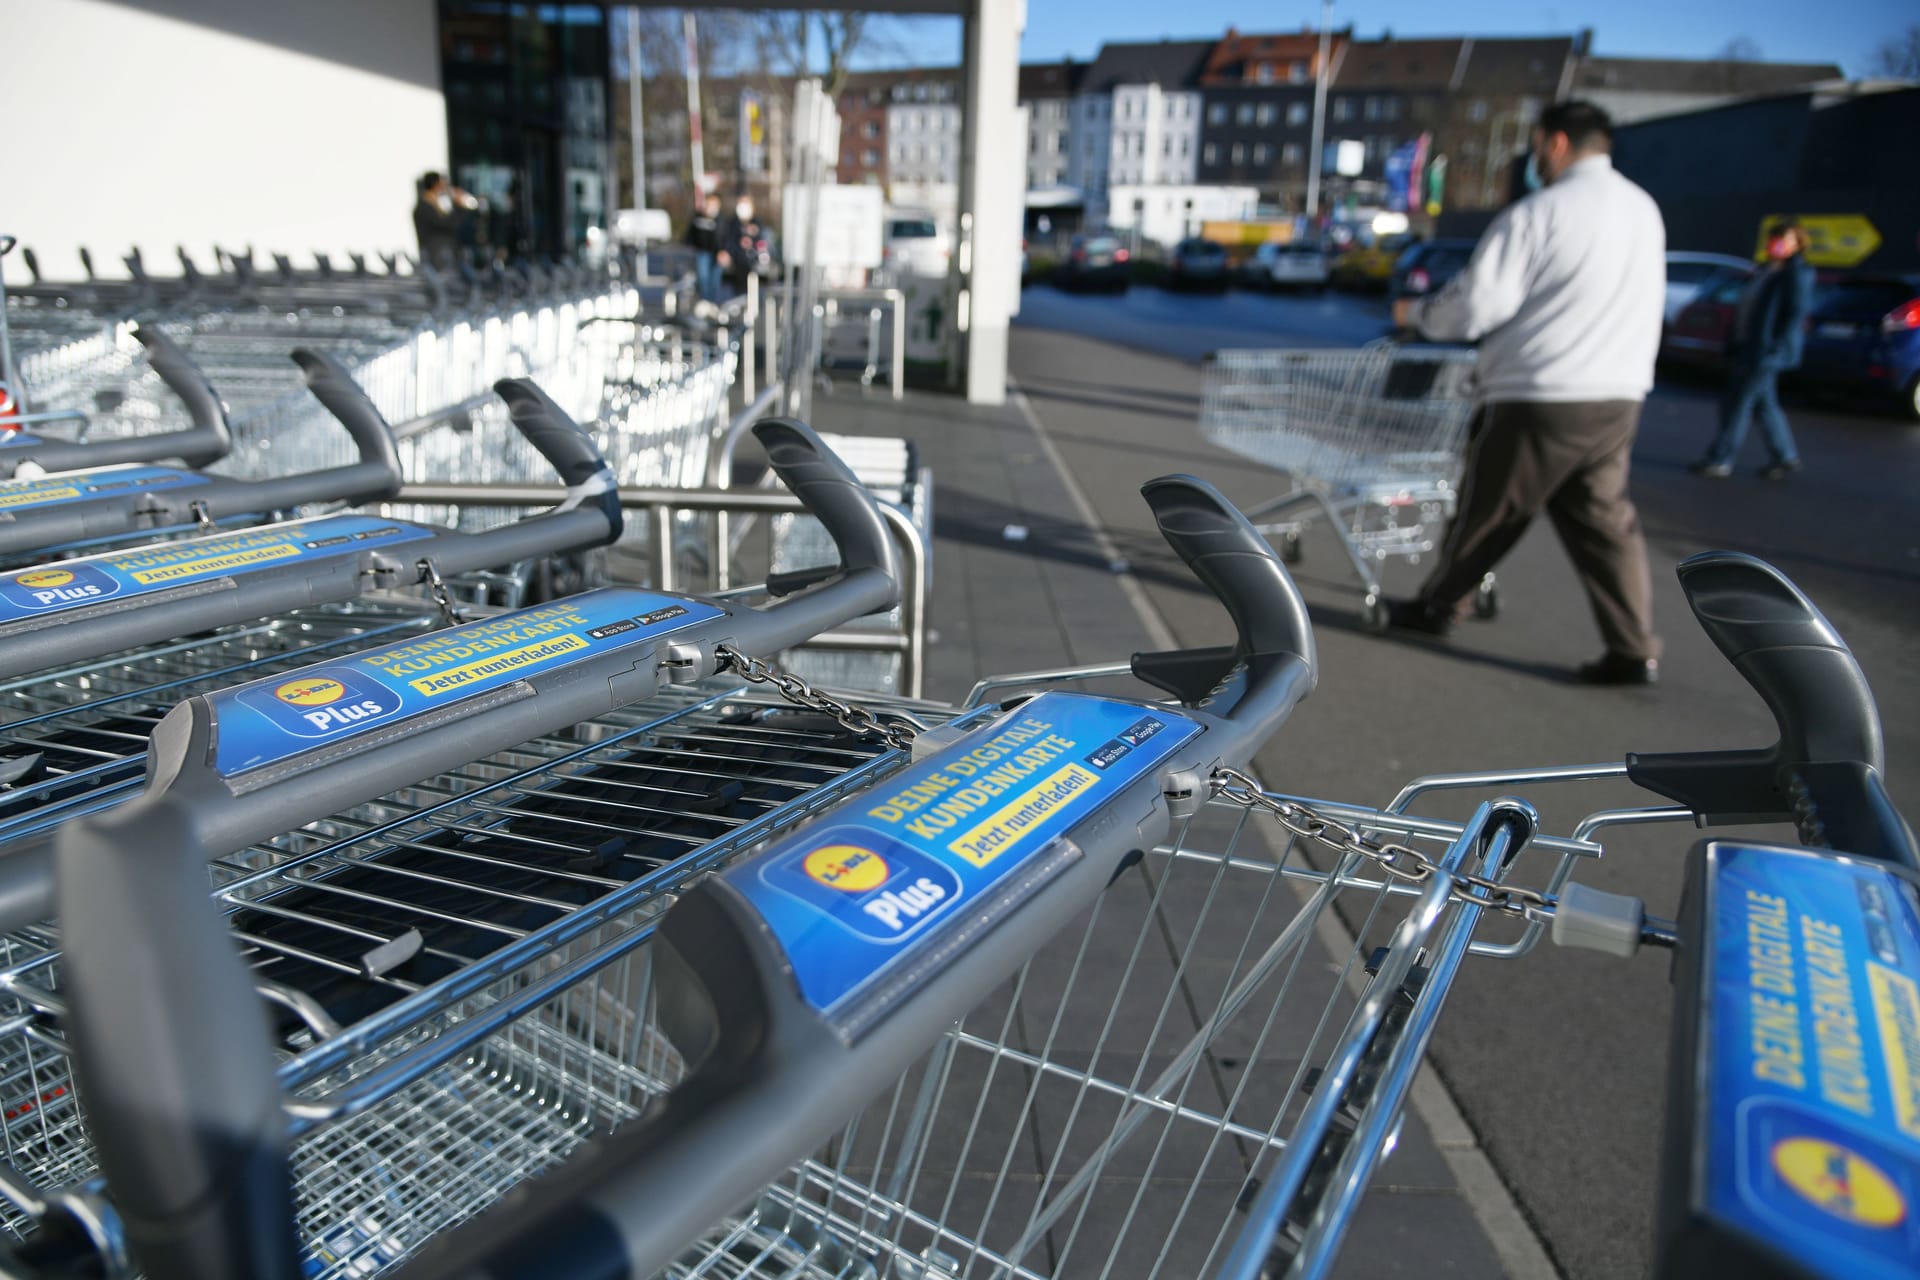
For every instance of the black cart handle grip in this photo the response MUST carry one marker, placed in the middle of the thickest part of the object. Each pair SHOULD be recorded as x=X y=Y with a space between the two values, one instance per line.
x=333 y=386
x=552 y=431
x=210 y=439
x=1823 y=773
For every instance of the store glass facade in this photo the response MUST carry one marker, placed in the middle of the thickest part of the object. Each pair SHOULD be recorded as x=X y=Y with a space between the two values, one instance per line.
x=527 y=126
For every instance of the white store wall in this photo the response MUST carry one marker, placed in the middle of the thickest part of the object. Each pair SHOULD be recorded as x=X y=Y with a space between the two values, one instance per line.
x=280 y=124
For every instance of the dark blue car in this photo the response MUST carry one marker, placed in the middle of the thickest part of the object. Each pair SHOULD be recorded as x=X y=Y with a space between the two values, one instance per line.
x=1864 y=336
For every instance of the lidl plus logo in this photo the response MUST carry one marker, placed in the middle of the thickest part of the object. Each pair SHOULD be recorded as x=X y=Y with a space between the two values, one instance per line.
x=57 y=587
x=871 y=885
x=319 y=704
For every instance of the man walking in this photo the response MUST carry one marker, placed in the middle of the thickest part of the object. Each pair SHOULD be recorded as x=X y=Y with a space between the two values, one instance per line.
x=703 y=237
x=1767 y=338
x=1564 y=294
x=438 y=216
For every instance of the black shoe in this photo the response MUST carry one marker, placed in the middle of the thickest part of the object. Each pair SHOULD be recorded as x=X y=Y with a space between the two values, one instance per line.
x=1711 y=470
x=1614 y=669
x=1779 y=470
x=1414 y=615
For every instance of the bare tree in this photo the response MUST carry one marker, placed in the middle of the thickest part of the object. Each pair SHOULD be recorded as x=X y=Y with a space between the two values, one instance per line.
x=1898 y=58
x=787 y=44
x=1740 y=49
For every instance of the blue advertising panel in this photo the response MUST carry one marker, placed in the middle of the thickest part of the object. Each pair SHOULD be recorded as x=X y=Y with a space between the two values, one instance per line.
x=277 y=718
x=19 y=495
x=847 y=899
x=1813 y=1107
x=73 y=584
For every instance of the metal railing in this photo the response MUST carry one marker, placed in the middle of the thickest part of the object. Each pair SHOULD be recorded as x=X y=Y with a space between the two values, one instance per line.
x=662 y=505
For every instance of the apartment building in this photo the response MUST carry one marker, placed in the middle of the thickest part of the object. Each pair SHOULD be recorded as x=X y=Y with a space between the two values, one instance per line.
x=1257 y=102
x=1135 y=119
x=1047 y=91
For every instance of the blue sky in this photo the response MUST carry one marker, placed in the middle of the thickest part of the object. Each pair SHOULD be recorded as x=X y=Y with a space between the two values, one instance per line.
x=1842 y=31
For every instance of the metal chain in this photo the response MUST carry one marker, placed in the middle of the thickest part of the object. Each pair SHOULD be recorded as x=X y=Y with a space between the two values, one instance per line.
x=856 y=719
x=437 y=588
x=1400 y=861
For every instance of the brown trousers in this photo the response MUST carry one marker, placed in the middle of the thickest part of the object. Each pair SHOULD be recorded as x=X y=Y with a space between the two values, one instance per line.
x=1572 y=459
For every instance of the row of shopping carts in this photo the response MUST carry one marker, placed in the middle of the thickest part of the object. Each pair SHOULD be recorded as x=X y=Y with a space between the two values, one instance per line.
x=352 y=927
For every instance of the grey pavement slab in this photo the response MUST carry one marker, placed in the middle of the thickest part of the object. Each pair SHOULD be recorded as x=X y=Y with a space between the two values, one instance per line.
x=1121 y=993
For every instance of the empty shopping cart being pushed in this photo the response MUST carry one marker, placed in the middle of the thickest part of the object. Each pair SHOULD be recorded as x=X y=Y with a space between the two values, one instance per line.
x=1373 y=440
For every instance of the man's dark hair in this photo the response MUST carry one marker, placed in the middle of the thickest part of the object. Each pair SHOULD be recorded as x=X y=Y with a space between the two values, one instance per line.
x=429 y=180
x=1588 y=128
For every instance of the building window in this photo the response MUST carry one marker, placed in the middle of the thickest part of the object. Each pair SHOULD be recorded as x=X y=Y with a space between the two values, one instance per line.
x=1297 y=72
x=899 y=93
x=1290 y=155
x=1217 y=113
x=869 y=157
x=1390 y=109
x=1263 y=74
x=871 y=129
x=1343 y=108
x=1264 y=115
x=1243 y=114
x=1297 y=113
x=1372 y=108
x=1262 y=153
x=920 y=92
x=1239 y=153
x=1058 y=143
x=1210 y=154
x=1477 y=109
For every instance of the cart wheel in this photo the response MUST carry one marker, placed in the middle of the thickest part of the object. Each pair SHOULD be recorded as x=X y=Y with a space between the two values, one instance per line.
x=1373 y=614
x=1290 y=551
x=1486 y=600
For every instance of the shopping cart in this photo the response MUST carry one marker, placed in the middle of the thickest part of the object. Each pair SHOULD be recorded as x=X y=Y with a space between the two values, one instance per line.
x=79 y=510
x=906 y=1024
x=1372 y=440
x=95 y=605
x=545 y=802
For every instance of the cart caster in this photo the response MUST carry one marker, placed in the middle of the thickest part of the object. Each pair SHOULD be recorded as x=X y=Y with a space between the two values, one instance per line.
x=1290 y=551
x=1486 y=599
x=1373 y=614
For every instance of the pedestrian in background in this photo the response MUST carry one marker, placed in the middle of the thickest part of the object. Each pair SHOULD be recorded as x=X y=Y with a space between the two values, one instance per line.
x=739 y=249
x=1768 y=334
x=1565 y=295
x=703 y=236
x=437 y=217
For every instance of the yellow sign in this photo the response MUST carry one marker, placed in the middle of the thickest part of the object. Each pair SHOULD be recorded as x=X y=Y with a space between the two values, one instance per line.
x=1231 y=234
x=527 y=655
x=1896 y=1008
x=1837 y=239
x=1841 y=1182
x=995 y=836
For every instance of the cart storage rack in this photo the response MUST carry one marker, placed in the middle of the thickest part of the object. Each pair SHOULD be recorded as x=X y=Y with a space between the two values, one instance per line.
x=544 y=794
x=77 y=509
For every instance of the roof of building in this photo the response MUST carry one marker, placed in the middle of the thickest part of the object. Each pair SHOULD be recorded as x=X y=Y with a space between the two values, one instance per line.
x=1703 y=76
x=1051 y=79
x=1236 y=58
x=1171 y=64
x=1529 y=65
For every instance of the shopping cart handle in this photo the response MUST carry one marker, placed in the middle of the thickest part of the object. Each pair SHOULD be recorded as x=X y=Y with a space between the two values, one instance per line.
x=1273 y=658
x=1824 y=773
x=333 y=386
x=207 y=440
x=205 y=1193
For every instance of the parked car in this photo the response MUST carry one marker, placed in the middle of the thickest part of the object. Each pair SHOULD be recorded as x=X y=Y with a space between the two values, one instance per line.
x=1197 y=264
x=1095 y=262
x=1427 y=266
x=1864 y=336
x=1699 y=333
x=1299 y=265
x=1688 y=273
x=1370 y=267
x=916 y=246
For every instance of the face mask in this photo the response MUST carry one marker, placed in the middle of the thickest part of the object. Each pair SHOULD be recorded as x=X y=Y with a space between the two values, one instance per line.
x=1780 y=247
x=445 y=203
x=744 y=212
x=1533 y=179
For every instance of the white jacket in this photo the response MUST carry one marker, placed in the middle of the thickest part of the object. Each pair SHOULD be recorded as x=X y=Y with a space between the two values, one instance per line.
x=1565 y=292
